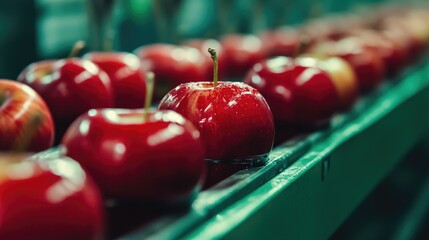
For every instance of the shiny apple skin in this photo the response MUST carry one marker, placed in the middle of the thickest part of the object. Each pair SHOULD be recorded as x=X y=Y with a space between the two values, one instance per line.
x=128 y=79
x=342 y=74
x=241 y=53
x=297 y=94
x=367 y=63
x=173 y=65
x=48 y=199
x=25 y=120
x=203 y=45
x=161 y=159
x=70 y=87
x=235 y=121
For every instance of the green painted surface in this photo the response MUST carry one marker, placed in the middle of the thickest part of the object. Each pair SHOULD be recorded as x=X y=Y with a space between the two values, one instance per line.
x=313 y=196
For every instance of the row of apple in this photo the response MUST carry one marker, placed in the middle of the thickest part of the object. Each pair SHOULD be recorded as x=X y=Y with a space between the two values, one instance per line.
x=372 y=48
x=131 y=154
x=159 y=155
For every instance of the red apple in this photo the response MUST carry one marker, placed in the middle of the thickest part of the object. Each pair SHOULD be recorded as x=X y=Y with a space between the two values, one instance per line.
x=234 y=119
x=158 y=156
x=26 y=122
x=297 y=94
x=127 y=77
x=173 y=65
x=367 y=63
x=69 y=87
x=235 y=122
x=341 y=73
x=48 y=199
x=241 y=52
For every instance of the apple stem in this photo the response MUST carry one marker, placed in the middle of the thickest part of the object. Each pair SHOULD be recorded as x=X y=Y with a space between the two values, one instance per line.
x=150 y=77
x=215 y=66
x=23 y=141
x=77 y=48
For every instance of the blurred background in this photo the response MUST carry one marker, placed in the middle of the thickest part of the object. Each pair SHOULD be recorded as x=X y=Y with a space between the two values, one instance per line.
x=40 y=29
x=45 y=29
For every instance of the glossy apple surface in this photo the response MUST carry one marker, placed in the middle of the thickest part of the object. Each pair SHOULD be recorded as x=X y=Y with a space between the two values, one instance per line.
x=241 y=53
x=130 y=157
x=173 y=65
x=342 y=74
x=234 y=119
x=26 y=122
x=70 y=87
x=48 y=199
x=297 y=94
x=128 y=79
x=367 y=63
